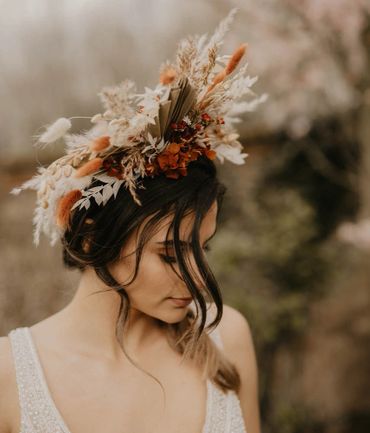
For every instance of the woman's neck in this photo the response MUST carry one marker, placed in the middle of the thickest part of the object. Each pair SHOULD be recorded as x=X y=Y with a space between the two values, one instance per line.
x=89 y=321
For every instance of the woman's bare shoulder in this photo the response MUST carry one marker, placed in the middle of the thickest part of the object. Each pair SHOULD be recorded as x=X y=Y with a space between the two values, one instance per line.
x=237 y=340
x=8 y=386
x=235 y=332
x=233 y=322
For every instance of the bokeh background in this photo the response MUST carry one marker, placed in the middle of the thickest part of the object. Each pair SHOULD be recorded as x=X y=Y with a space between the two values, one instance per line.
x=293 y=246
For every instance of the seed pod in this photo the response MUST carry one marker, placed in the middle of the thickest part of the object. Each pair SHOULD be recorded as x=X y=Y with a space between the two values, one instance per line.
x=58 y=174
x=42 y=189
x=51 y=183
x=67 y=170
x=76 y=161
x=52 y=169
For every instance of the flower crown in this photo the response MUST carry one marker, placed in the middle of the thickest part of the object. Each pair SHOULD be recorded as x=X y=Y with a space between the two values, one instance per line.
x=189 y=113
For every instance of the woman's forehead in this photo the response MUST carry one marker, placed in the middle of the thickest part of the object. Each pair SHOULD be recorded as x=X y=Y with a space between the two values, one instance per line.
x=207 y=227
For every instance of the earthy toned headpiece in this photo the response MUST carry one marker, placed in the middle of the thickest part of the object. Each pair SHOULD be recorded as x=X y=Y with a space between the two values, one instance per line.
x=189 y=113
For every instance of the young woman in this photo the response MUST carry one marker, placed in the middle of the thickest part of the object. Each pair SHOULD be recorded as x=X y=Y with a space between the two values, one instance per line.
x=146 y=344
x=72 y=372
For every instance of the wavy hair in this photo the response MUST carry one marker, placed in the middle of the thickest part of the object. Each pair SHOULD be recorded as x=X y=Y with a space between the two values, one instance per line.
x=92 y=240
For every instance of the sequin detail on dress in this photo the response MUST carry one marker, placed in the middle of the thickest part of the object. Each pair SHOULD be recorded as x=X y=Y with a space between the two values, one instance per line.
x=39 y=413
x=224 y=414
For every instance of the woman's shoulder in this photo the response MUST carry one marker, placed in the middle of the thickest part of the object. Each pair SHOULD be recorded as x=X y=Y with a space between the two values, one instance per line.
x=235 y=333
x=237 y=338
x=233 y=323
x=8 y=386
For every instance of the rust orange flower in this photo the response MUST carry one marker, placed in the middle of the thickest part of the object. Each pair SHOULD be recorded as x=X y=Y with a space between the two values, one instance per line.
x=211 y=154
x=173 y=147
x=64 y=207
x=100 y=143
x=235 y=58
x=167 y=75
x=173 y=161
x=89 y=167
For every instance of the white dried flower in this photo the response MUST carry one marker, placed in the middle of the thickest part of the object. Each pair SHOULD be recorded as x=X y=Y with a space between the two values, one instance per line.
x=54 y=131
x=230 y=153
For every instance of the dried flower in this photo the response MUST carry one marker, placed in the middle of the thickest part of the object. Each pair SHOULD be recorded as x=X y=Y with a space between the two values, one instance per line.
x=235 y=58
x=55 y=130
x=100 y=143
x=89 y=167
x=190 y=113
x=64 y=206
x=167 y=75
x=232 y=64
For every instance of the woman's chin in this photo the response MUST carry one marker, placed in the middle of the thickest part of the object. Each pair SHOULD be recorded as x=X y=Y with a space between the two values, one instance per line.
x=175 y=314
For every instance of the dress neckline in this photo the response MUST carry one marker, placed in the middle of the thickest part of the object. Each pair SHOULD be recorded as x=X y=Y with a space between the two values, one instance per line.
x=58 y=415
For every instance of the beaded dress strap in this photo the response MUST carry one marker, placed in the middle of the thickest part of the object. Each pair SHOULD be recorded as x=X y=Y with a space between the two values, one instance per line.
x=217 y=401
x=37 y=412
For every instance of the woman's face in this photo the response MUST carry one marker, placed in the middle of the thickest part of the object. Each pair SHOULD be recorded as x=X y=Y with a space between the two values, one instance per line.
x=156 y=282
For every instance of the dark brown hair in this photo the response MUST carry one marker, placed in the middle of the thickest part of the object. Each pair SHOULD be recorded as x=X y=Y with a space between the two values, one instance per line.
x=108 y=227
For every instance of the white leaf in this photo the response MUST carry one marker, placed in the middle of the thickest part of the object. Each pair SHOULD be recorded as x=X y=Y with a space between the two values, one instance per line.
x=107 y=193
x=104 y=178
x=77 y=203
x=98 y=198
x=116 y=187
x=96 y=188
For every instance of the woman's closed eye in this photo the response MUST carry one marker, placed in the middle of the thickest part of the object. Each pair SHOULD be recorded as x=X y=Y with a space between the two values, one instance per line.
x=171 y=259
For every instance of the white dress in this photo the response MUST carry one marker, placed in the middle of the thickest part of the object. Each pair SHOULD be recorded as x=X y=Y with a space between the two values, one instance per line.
x=39 y=413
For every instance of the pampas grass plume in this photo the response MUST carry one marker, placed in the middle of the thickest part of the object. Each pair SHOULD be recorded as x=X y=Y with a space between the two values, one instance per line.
x=55 y=130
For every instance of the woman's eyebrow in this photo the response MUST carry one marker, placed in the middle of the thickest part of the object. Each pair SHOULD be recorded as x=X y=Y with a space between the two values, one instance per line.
x=183 y=243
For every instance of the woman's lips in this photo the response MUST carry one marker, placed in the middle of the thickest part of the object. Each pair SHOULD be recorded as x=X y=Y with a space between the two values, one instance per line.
x=181 y=302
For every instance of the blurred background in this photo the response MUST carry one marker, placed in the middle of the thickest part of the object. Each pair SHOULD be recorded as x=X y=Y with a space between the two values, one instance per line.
x=293 y=246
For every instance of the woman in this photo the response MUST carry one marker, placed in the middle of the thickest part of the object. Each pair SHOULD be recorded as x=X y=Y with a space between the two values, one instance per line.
x=146 y=344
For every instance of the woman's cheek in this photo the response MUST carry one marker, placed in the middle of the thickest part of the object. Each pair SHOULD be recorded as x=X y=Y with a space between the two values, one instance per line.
x=153 y=273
